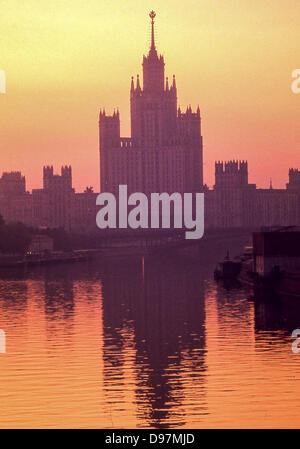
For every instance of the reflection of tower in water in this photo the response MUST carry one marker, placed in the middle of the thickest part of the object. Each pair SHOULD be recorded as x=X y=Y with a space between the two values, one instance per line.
x=160 y=306
x=59 y=305
x=59 y=297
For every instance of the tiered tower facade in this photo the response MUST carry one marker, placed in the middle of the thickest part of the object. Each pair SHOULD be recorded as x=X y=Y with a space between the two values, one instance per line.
x=233 y=202
x=52 y=205
x=164 y=152
x=231 y=174
x=294 y=179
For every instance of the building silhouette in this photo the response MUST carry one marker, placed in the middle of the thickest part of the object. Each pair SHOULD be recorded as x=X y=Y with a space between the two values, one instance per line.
x=52 y=205
x=12 y=184
x=164 y=152
x=55 y=205
x=232 y=195
x=294 y=179
x=235 y=203
x=232 y=203
x=15 y=202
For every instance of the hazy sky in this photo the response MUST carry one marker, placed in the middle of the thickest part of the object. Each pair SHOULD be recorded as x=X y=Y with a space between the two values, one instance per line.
x=64 y=59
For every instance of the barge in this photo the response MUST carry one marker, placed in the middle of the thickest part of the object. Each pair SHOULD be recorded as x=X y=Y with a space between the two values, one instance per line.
x=273 y=268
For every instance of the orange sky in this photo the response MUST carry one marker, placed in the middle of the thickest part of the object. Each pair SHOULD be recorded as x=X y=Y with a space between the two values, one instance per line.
x=64 y=59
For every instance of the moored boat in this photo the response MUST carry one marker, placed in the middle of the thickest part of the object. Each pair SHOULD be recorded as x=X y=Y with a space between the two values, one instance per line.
x=228 y=269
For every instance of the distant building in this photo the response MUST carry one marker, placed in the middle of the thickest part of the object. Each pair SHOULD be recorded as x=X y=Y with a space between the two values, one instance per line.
x=12 y=184
x=84 y=211
x=56 y=205
x=15 y=202
x=234 y=203
x=276 y=207
x=294 y=179
x=233 y=195
x=41 y=244
x=164 y=152
x=52 y=205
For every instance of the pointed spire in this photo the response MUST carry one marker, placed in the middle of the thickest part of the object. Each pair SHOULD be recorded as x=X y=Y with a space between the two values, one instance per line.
x=152 y=16
x=132 y=85
x=174 y=82
x=271 y=185
x=167 y=83
x=138 y=87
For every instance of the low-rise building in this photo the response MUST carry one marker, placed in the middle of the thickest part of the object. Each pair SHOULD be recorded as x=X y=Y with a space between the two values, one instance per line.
x=41 y=244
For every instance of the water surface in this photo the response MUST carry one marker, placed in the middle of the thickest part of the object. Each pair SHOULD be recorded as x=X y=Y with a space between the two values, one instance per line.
x=143 y=343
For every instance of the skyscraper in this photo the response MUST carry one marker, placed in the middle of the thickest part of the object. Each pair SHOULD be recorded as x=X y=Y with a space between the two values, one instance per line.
x=164 y=153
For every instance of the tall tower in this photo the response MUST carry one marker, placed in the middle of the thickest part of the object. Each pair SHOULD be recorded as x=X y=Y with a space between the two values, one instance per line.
x=154 y=106
x=164 y=152
x=153 y=66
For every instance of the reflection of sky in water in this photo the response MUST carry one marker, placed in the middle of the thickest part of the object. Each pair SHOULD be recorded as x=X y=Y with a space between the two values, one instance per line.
x=126 y=344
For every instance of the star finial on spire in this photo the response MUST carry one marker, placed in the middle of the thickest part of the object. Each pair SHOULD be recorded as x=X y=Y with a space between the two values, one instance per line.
x=152 y=16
